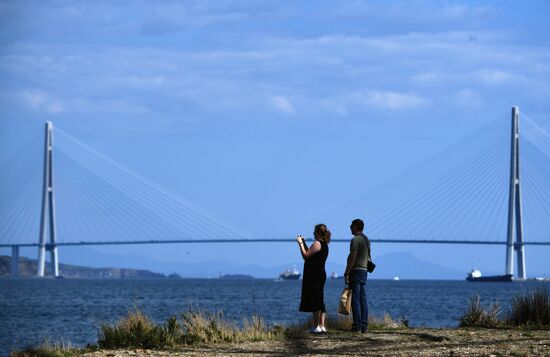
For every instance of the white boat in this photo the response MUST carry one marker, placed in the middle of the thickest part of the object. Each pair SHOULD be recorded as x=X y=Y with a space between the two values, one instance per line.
x=395 y=278
x=290 y=274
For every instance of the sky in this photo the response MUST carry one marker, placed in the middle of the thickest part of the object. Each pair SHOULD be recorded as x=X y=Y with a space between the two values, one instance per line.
x=271 y=113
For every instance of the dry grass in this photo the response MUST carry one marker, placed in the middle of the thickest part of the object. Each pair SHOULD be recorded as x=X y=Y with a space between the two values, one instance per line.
x=530 y=310
x=137 y=330
x=477 y=316
x=49 y=348
x=194 y=327
x=200 y=327
x=342 y=323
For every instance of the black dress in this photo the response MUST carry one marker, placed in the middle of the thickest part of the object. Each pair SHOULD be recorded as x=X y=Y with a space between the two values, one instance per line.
x=313 y=284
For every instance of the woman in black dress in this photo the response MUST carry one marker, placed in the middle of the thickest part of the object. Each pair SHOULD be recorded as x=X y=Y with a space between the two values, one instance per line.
x=314 y=277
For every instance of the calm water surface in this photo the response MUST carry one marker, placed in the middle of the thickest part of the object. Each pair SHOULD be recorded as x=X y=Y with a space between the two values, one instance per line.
x=73 y=309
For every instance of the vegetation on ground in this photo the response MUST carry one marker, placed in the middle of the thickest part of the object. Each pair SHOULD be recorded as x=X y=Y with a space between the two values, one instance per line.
x=192 y=327
x=529 y=310
x=478 y=316
x=49 y=349
x=137 y=330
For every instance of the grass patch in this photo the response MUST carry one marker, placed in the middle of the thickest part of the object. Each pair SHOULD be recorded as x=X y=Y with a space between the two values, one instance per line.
x=530 y=310
x=477 y=316
x=194 y=327
x=199 y=327
x=343 y=323
x=136 y=330
x=48 y=349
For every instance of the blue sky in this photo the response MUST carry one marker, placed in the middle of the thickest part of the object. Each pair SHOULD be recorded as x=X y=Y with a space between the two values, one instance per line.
x=270 y=114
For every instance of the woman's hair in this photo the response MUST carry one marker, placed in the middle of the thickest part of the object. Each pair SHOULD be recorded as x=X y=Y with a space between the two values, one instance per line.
x=322 y=233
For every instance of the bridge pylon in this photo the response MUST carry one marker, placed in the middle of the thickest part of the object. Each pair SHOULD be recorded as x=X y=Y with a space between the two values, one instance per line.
x=47 y=217
x=515 y=220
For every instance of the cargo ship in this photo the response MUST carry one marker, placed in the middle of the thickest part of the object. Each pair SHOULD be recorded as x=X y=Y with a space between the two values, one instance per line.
x=475 y=275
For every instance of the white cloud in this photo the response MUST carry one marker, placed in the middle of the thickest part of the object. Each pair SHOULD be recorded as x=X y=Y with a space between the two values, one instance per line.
x=343 y=73
x=33 y=98
x=468 y=98
x=394 y=100
x=415 y=11
x=428 y=77
x=282 y=104
x=55 y=107
x=353 y=101
x=492 y=76
x=38 y=100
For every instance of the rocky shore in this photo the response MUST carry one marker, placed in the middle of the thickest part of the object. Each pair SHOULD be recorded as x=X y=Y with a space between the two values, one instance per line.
x=389 y=342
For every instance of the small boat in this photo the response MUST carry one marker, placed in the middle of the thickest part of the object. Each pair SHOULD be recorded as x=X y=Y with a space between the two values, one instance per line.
x=335 y=275
x=475 y=275
x=395 y=278
x=290 y=274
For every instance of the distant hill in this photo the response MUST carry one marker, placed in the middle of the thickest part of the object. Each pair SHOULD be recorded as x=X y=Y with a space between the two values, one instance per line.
x=407 y=266
x=27 y=268
x=401 y=264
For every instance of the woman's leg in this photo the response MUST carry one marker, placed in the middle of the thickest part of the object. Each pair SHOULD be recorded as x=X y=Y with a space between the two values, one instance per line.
x=316 y=318
x=323 y=317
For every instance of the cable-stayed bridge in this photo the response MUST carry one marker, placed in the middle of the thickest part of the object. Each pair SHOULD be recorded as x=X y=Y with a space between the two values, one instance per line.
x=492 y=187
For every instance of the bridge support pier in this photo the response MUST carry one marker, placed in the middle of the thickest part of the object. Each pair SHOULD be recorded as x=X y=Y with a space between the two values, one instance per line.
x=48 y=210
x=515 y=221
x=14 y=261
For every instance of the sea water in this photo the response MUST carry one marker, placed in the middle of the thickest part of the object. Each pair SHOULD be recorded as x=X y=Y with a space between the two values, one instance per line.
x=73 y=309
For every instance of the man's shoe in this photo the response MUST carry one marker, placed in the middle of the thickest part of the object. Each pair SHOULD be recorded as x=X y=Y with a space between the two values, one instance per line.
x=364 y=330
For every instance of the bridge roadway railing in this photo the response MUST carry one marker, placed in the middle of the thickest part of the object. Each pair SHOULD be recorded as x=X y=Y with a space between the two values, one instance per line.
x=265 y=240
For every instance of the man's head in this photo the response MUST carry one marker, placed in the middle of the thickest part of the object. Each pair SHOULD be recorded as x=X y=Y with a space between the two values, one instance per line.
x=357 y=226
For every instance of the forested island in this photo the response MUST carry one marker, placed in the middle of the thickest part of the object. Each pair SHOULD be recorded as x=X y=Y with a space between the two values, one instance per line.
x=27 y=268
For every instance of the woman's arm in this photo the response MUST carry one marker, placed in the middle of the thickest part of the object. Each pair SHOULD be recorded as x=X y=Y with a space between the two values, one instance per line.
x=308 y=253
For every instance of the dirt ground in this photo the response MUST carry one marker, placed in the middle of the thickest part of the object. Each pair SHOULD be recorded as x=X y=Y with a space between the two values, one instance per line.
x=413 y=342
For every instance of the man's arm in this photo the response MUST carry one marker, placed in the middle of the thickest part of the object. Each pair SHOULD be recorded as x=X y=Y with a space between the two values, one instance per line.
x=351 y=262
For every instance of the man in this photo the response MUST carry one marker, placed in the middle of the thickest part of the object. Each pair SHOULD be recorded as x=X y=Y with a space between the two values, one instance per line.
x=356 y=275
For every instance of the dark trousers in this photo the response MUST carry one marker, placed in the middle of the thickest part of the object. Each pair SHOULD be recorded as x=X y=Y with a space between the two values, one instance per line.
x=359 y=307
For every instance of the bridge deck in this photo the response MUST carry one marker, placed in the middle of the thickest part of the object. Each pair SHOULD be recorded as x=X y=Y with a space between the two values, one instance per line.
x=269 y=240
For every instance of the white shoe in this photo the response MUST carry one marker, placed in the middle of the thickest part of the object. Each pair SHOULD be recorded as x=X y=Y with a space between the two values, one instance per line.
x=323 y=329
x=316 y=330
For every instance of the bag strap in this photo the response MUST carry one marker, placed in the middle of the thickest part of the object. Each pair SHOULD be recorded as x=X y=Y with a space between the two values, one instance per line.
x=367 y=242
